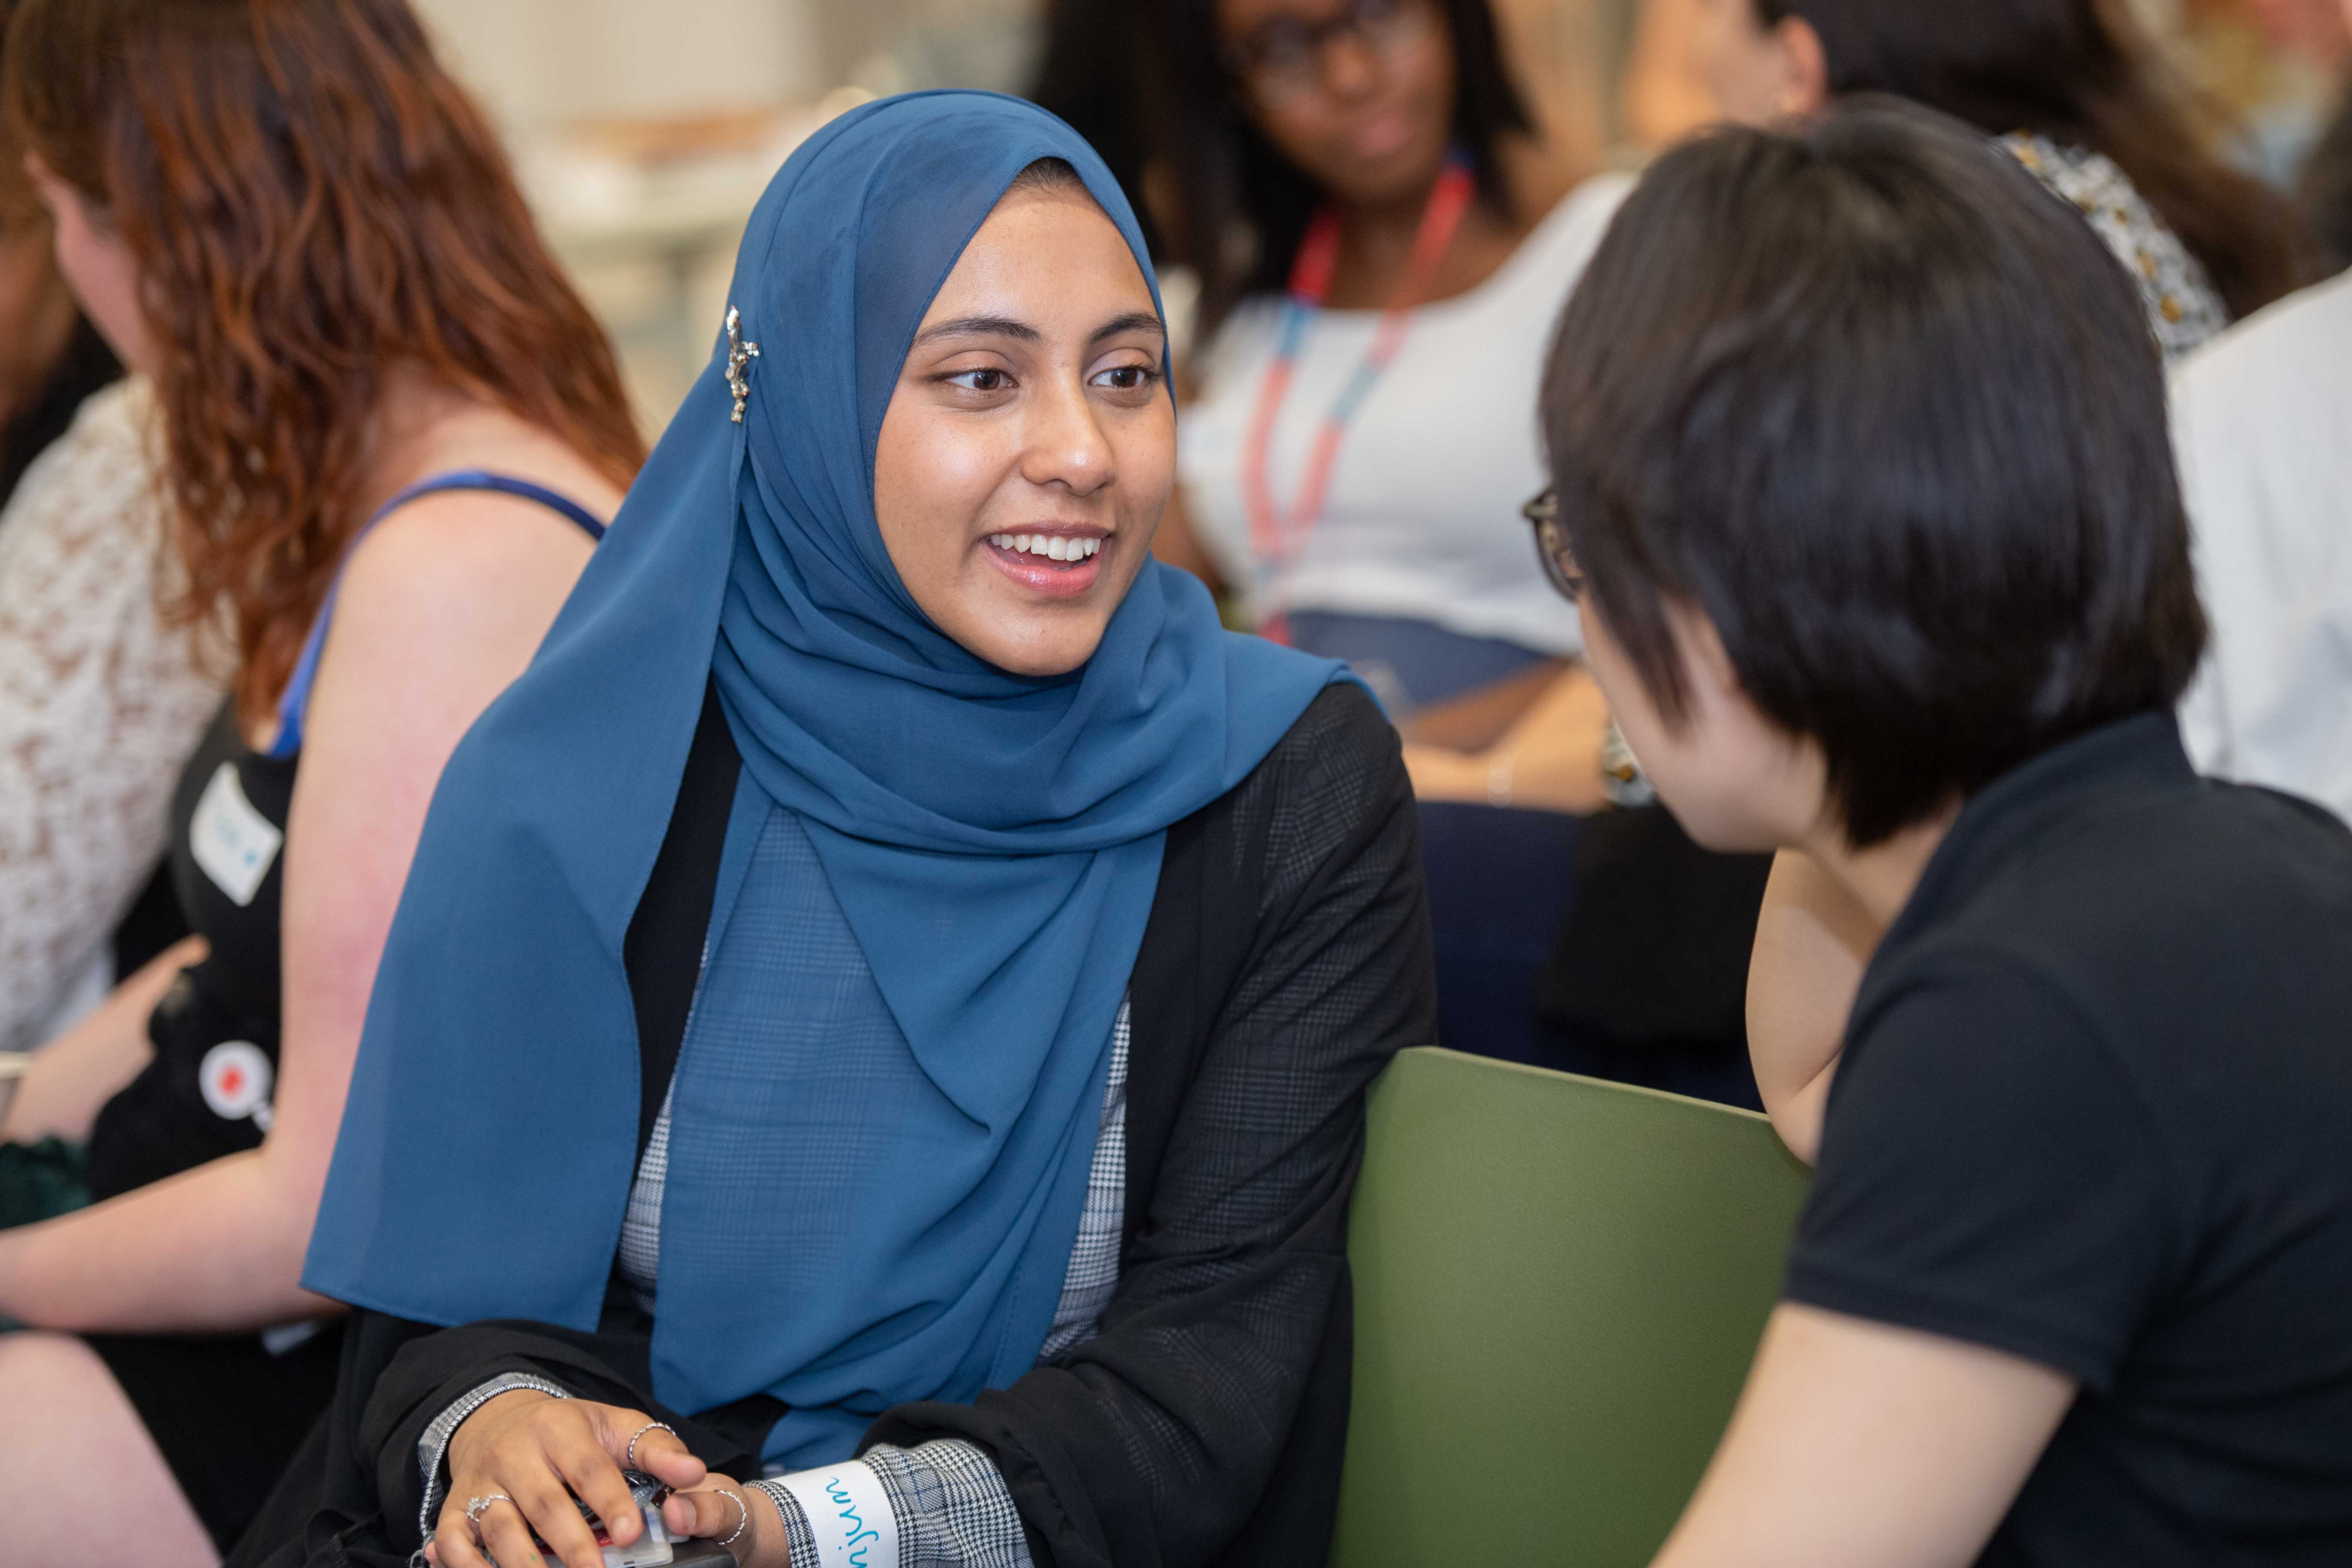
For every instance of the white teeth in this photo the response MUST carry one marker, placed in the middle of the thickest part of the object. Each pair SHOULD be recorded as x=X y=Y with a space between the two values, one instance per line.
x=1053 y=547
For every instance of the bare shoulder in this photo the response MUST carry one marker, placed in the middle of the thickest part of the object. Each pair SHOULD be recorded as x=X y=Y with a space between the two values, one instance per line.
x=454 y=590
x=475 y=553
x=465 y=543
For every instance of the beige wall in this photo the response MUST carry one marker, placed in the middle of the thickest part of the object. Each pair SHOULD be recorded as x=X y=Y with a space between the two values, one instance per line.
x=1569 y=56
x=536 y=62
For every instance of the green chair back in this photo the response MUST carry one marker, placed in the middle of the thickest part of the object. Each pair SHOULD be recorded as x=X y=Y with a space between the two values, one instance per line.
x=1559 y=1285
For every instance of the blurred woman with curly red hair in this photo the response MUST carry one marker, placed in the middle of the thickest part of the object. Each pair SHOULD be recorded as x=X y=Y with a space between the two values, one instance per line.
x=390 y=432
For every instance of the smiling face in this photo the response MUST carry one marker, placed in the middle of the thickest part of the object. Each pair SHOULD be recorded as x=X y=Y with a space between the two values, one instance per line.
x=1365 y=110
x=1030 y=447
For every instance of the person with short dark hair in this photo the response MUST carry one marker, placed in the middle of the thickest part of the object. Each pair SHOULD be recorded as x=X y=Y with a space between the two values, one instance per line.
x=1869 y=503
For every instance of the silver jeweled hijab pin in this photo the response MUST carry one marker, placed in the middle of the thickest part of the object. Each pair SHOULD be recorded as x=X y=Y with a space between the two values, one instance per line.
x=740 y=355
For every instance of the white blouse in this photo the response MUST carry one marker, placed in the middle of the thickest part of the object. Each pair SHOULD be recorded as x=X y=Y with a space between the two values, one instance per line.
x=2262 y=426
x=99 y=707
x=1423 y=522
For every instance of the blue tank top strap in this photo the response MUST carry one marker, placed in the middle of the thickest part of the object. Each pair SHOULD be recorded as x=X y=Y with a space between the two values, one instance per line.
x=296 y=698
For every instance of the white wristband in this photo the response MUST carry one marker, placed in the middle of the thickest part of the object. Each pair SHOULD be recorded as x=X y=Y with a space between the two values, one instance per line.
x=849 y=1514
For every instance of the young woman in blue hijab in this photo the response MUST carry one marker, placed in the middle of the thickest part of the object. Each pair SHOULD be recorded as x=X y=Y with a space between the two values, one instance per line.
x=875 y=1036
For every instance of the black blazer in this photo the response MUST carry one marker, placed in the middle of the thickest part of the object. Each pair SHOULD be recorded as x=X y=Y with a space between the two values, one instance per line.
x=1287 y=957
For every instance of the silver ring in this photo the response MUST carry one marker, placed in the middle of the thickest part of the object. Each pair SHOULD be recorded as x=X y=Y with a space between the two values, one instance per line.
x=629 y=1458
x=479 y=1505
x=741 y=1507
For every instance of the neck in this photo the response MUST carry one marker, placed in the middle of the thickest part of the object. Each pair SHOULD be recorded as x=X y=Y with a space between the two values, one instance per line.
x=1883 y=878
x=1380 y=235
x=411 y=408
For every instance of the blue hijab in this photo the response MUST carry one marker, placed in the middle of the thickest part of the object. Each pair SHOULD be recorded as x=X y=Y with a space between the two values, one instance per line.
x=857 y=1215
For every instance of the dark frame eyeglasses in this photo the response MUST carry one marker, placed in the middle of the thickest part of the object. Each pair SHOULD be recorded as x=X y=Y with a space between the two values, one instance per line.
x=1286 y=56
x=1551 y=544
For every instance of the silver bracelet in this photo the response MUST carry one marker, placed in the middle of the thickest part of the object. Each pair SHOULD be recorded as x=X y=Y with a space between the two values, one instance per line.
x=743 y=1508
x=430 y=1459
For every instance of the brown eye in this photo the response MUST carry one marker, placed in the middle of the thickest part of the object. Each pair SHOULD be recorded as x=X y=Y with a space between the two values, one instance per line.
x=1127 y=377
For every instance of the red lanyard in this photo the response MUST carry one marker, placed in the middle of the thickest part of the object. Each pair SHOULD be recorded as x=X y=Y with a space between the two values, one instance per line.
x=1278 y=539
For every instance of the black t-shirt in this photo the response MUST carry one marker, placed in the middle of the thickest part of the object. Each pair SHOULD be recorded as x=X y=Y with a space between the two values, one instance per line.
x=209 y=1089
x=2096 y=1110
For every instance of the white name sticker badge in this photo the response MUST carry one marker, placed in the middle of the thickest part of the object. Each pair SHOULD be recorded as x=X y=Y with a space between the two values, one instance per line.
x=234 y=844
x=849 y=1514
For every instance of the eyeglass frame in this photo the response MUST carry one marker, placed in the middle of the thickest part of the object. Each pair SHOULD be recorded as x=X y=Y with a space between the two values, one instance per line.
x=1551 y=544
x=1244 y=61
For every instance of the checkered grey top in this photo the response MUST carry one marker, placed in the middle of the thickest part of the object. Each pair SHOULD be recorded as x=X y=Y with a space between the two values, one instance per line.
x=952 y=1506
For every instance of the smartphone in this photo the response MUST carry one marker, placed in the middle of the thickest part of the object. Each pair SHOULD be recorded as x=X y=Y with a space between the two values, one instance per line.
x=654 y=1549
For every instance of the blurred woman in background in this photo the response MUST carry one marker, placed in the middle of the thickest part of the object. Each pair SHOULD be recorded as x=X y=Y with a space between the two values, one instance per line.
x=1380 y=240
x=100 y=702
x=287 y=216
x=1382 y=236
x=2072 y=89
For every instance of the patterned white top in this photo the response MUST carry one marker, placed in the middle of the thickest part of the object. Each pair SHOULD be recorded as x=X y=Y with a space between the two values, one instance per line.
x=99 y=707
x=2182 y=304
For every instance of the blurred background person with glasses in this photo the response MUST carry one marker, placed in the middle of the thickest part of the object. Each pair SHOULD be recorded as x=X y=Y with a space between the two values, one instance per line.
x=1382 y=233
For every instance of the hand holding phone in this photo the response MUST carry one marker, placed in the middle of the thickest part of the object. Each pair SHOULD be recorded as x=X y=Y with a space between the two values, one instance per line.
x=535 y=1480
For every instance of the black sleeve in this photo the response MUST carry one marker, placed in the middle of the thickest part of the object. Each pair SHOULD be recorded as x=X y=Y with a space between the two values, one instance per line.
x=352 y=1496
x=433 y=1371
x=1220 y=1370
x=1988 y=1173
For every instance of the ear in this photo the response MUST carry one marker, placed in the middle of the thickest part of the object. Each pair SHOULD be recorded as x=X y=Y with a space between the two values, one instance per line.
x=1707 y=669
x=1805 y=67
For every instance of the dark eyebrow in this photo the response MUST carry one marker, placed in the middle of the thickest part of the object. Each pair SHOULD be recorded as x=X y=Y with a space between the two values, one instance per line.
x=981 y=327
x=1022 y=331
x=1133 y=322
